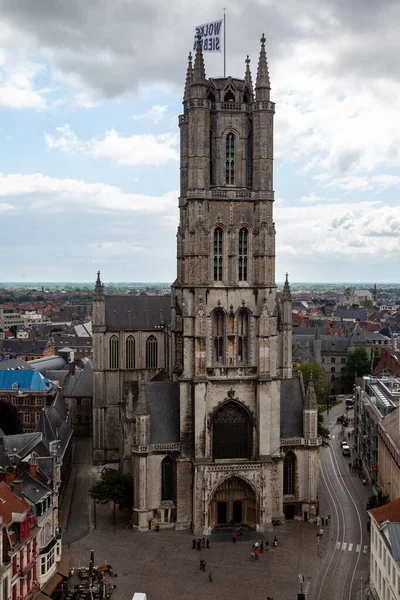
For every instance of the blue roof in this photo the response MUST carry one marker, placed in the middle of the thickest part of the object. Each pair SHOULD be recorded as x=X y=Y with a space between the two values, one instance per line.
x=25 y=380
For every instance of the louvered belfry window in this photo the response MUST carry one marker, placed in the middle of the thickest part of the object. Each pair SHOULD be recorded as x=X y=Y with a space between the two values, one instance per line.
x=243 y=249
x=230 y=159
x=218 y=253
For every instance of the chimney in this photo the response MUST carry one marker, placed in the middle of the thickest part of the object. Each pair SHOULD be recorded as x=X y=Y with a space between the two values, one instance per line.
x=17 y=488
x=71 y=367
x=33 y=467
x=10 y=474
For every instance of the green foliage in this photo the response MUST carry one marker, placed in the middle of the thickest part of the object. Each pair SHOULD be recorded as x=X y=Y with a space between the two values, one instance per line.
x=10 y=421
x=358 y=364
x=377 y=500
x=323 y=432
x=367 y=303
x=321 y=384
x=113 y=486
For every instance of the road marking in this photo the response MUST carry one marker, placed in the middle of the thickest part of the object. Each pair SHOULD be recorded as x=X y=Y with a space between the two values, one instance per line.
x=350 y=548
x=338 y=545
x=344 y=546
x=306 y=587
x=358 y=547
x=365 y=549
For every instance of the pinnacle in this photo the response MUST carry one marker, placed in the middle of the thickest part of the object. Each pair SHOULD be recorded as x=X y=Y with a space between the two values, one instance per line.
x=189 y=77
x=199 y=72
x=286 y=295
x=247 y=78
x=262 y=80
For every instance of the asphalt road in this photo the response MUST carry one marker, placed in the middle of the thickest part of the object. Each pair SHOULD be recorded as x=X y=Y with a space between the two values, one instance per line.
x=345 y=544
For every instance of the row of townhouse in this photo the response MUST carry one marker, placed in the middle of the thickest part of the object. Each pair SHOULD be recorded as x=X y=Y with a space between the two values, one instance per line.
x=384 y=579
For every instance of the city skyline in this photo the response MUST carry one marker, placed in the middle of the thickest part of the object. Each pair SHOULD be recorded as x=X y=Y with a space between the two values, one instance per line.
x=89 y=137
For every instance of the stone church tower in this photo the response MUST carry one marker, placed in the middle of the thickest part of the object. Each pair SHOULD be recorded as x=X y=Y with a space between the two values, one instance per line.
x=232 y=339
x=193 y=393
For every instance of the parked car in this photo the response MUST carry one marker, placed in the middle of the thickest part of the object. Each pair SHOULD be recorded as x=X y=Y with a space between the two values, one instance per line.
x=343 y=443
x=345 y=450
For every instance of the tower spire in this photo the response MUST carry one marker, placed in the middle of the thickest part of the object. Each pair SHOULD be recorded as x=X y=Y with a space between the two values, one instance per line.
x=247 y=78
x=263 y=84
x=286 y=295
x=98 y=289
x=311 y=399
x=199 y=71
x=189 y=77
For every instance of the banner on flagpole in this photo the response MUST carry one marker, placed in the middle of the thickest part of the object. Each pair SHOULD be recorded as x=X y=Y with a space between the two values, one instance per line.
x=211 y=36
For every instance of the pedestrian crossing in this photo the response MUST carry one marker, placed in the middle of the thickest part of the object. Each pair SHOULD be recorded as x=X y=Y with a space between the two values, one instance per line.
x=306 y=587
x=349 y=547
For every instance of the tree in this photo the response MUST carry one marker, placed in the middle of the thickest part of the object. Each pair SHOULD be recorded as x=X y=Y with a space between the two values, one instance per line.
x=323 y=432
x=113 y=486
x=10 y=421
x=321 y=384
x=367 y=303
x=358 y=364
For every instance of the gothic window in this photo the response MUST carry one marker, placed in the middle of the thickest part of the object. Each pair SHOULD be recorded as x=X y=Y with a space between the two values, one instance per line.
x=249 y=163
x=218 y=253
x=289 y=471
x=211 y=96
x=167 y=479
x=130 y=353
x=212 y=170
x=231 y=432
x=243 y=336
x=230 y=159
x=114 y=352
x=229 y=96
x=218 y=323
x=243 y=249
x=151 y=353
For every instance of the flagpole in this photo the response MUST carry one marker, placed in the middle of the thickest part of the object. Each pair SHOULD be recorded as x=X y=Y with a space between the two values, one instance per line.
x=224 y=42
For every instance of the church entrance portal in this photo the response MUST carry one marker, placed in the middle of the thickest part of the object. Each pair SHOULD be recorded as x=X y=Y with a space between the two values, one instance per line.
x=234 y=500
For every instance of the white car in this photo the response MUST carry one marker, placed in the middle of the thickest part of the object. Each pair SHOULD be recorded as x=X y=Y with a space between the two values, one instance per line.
x=345 y=450
x=343 y=443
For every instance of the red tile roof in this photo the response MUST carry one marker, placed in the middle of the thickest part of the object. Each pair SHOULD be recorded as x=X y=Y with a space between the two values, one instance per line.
x=10 y=503
x=387 y=512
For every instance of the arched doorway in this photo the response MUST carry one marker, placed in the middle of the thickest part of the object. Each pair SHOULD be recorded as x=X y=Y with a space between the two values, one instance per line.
x=234 y=500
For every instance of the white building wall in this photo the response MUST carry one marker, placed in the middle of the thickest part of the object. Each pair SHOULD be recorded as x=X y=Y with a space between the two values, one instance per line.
x=384 y=571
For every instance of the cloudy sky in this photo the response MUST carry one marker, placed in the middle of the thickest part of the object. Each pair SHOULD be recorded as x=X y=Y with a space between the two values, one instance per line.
x=89 y=150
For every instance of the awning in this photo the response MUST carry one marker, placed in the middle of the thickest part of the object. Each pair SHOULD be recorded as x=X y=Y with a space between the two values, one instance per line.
x=52 y=584
x=63 y=566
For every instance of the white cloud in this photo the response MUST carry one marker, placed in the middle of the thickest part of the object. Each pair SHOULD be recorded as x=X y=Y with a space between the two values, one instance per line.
x=155 y=114
x=311 y=198
x=355 y=183
x=146 y=149
x=42 y=193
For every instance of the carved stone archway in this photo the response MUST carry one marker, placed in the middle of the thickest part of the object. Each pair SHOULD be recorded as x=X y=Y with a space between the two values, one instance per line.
x=234 y=500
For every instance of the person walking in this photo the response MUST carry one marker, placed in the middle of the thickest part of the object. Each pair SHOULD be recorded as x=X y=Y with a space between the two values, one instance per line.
x=193 y=544
x=323 y=521
x=202 y=565
x=208 y=544
x=256 y=553
x=210 y=576
x=234 y=537
x=262 y=546
x=267 y=546
x=203 y=542
x=252 y=556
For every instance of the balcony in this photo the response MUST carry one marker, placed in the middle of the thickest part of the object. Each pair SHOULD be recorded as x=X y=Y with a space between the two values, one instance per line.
x=227 y=372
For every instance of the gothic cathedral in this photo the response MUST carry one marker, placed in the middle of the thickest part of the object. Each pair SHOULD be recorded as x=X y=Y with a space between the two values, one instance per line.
x=194 y=392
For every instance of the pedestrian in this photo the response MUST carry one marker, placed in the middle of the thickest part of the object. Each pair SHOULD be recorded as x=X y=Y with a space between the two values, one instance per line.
x=323 y=521
x=208 y=544
x=275 y=541
x=256 y=546
x=267 y=546
x=262 y=546
x=326 y=521
x=329 y=518
x=321 y=532
x=252 y=556
x=256 y=553
x=193 y=544
x=234 y=537
x=203 y=542
x=350 y=466
x=210 y=576
x=198 y=544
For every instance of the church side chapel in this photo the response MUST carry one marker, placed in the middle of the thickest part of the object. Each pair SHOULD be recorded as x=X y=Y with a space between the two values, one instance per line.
x=193 y=392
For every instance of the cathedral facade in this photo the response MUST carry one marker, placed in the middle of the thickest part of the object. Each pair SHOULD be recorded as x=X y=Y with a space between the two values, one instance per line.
x=207 y=416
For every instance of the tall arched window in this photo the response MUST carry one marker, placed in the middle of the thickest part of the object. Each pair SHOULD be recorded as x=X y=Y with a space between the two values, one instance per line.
x=231 y=432
x=243 y=336
x=218 y=253
x=212 y=170
x=130 y=353
x=230 y=159
x=243 y=249
x=114 y=352
x=249 y=164
x=151 y=353
x=167 y=479
x=289 y=472
x=218 y=324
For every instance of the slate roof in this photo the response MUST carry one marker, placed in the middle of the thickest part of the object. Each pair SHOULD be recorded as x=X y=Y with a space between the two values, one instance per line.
x=334 y=344
x=14 y=363
x=358 y=335
x=27 y=380
x=14 y=346
x=291 y=408
x=81 y=384
x=12 y=504
x=356 y=314
x=310 y=330
x=72 y=341
x=393 y=530
x=48 y=362
x=391 y=424
x=387 y=512
x=32 y=488
x=53 y=427
x=21 y=444
x=137 y=313
x=163 y=402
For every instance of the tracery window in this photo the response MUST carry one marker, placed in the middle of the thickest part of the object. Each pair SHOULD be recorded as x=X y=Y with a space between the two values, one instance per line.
x=243 y=336
x=289 y=471
x=114 y=352
x=243 y=250
x=218 y=253
x=212 y=170
x=167 y=479
x=231 y=431
x=130 y=353
x=230 y=159
x=249 y=164
x=218 y=323
x=151 y=353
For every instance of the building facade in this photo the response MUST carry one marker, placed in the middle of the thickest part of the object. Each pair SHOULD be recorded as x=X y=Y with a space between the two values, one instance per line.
x=219 y=432
x=385 y=551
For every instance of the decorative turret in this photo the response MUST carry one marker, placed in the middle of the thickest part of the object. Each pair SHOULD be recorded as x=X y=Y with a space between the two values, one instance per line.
x=199 y=71
x=310 y=419
x=247 y=78
x=98 y=289
x=286 y=295
x=263 y=84
x=285 y=311
x=311 y=398
x=189 y=78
